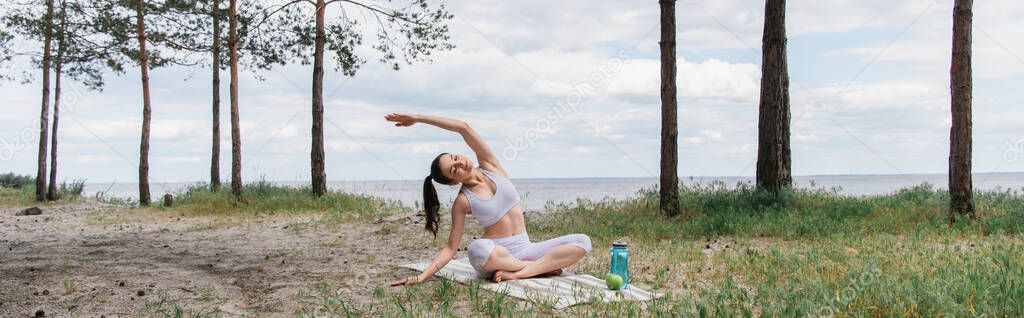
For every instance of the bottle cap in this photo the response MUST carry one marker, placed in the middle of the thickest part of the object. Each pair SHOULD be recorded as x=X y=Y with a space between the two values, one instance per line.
x=619 y=244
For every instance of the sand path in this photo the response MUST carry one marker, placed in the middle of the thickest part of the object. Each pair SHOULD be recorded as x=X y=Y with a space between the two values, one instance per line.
x=87 y=259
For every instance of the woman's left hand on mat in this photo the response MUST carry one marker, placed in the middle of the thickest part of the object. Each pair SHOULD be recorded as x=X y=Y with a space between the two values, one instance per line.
x=406 y=281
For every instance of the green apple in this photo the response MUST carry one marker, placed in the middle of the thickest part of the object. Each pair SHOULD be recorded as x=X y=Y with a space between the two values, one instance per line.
x=614 y=281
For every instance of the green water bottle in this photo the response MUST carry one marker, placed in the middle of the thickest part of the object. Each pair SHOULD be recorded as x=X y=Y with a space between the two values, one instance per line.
x=620 y=262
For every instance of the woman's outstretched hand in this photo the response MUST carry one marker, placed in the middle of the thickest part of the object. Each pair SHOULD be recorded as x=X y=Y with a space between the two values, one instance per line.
x=401 y=120
x=406 y=281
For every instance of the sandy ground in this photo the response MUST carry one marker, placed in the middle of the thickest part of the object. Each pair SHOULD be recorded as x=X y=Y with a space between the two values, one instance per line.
x=88 y=259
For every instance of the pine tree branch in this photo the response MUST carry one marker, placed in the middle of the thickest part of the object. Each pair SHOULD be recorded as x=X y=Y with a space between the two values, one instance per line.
x=378 y=10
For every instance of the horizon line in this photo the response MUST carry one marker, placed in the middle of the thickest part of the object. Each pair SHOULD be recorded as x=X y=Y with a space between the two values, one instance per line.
x=600 y=177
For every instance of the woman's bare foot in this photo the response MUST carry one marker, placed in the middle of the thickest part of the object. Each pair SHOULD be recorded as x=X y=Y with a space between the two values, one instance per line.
x=503 y=275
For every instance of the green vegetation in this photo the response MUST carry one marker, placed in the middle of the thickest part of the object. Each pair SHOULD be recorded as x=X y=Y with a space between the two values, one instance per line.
x=20 y=189
x=11 y=180
x=715 y=210
x=16 y=189
x=738 y=252
x=732 y=251
x=17 y=196
x=70 y=286
x=263 y=198
x=439 y=298
x=71 y=190
x=167 y=306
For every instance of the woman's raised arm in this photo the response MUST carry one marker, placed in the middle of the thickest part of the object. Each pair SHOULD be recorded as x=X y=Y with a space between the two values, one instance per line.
x=484 y=156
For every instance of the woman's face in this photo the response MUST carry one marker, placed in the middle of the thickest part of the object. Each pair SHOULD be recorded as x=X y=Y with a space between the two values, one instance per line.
x=456 y=167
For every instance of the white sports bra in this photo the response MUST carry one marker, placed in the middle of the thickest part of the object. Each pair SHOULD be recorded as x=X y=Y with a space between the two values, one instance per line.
x=487 y=212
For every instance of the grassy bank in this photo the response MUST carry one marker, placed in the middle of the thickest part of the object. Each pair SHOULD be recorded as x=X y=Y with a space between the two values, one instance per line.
x=17 y=196
x=266 y=198
x=19 y=190
x=736 y=252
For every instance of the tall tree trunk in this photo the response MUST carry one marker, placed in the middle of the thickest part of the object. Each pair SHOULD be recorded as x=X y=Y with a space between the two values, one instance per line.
x=51 y=191
x=215 y=156
x=669 y=189
x=44 y=114
x=317 y=153
x=773 y=151
x=140 y=28
x=960 y=86
x=236 y=133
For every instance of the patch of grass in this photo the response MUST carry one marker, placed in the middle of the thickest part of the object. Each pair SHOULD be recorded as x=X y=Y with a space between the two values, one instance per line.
x=18 y=196
x=17 y=189
x=299 y=226
x=71 y=190
x=438 y=298
x=737 y=251
x=812 y=252
x=21 y=190
x=888 y=275
x=325 y=302
x=70 y=285
x=266 y=198
x=499 y=305
x=716 y=210
x=102 y=196
x=168 y=307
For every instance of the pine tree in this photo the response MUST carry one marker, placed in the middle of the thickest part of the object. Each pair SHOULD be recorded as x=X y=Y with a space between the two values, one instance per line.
x=669 y=188
x=773 y=151
x=77 y=55
x=960 y=85
x=410 y=32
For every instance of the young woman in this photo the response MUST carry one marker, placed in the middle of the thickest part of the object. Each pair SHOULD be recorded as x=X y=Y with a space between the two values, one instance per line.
x=504 y=252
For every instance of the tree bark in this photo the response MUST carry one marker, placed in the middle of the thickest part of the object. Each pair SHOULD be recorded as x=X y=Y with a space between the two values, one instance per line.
x=236 y=133
x=140 y=28
x=317 y=172
x=215 y=156
x=773 y=151
x=44 y=114
x=51 y=191
x=669 y=188
x=960 y=86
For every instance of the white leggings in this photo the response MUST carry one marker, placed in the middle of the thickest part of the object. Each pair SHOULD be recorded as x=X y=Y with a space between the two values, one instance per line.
x=520 y=247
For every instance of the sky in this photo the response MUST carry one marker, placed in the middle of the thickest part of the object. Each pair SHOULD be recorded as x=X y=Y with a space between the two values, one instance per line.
x=571 y=89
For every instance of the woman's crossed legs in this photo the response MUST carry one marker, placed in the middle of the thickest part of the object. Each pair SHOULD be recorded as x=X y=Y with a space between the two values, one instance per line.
x=516 y=257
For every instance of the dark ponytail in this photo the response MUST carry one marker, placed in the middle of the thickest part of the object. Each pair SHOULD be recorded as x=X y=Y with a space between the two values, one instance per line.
x=430 y=203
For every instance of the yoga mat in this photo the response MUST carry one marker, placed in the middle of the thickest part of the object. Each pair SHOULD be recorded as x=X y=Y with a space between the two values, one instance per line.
x=560 y=291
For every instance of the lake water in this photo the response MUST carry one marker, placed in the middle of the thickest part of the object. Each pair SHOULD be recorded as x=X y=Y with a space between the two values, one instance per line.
x=536 y=192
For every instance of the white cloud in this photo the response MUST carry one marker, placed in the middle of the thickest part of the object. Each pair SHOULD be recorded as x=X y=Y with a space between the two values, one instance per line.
x=711 y=79
x=926 y=46
x=178 y=159
x=426 y=149
x=342 y=145
x=514 y=59
x=93 y=159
